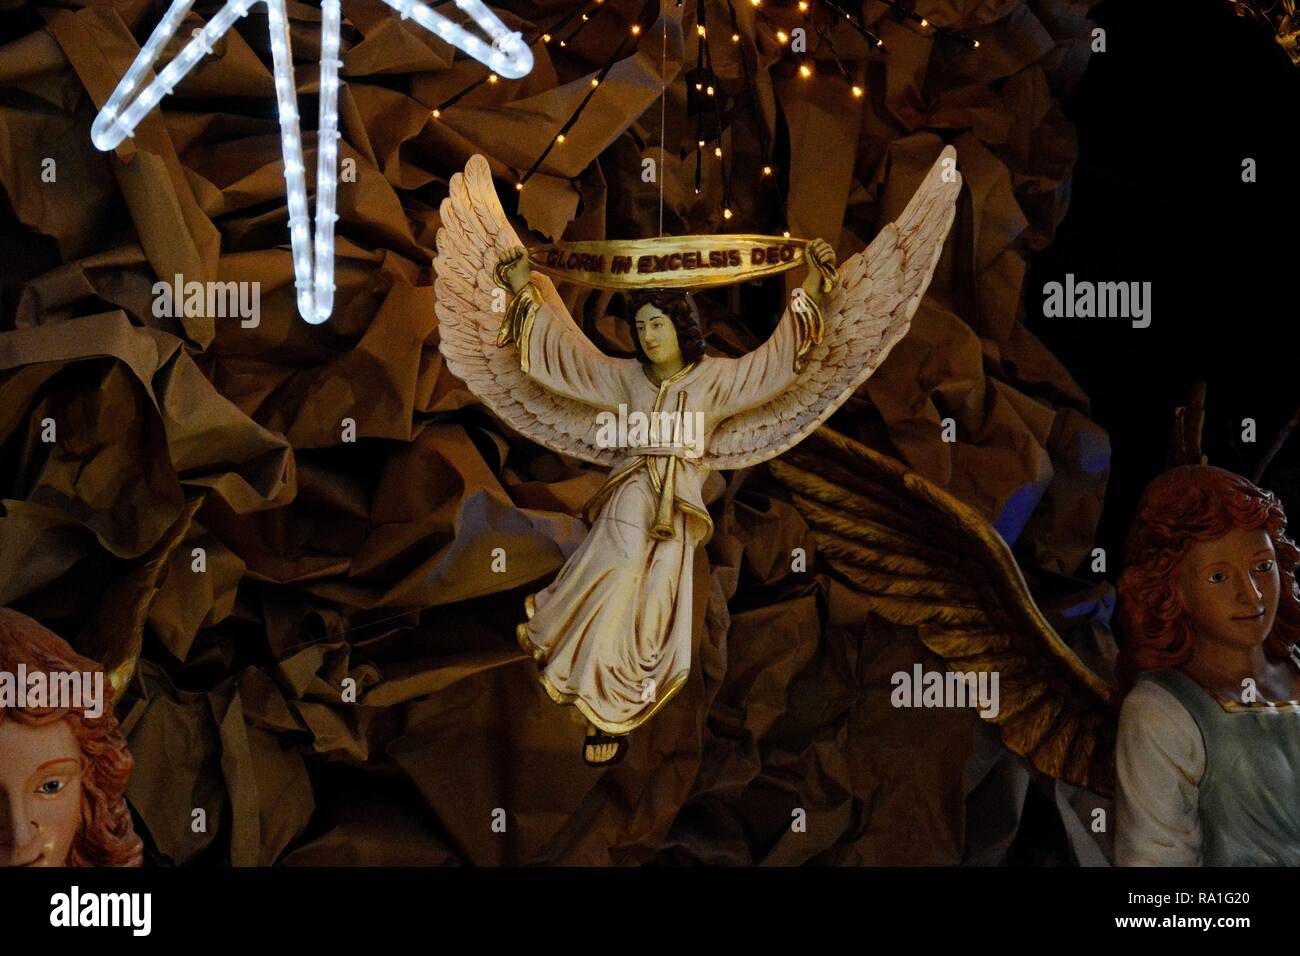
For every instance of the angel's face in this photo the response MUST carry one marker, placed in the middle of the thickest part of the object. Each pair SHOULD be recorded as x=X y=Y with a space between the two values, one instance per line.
x=658 y=336
x=40 y=793
x=1230 y=587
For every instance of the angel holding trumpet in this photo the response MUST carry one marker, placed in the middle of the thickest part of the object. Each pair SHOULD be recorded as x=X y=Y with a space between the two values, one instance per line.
x=611 y=634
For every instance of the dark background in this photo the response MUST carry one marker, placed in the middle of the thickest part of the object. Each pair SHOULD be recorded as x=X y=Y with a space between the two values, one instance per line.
x=1183 y=93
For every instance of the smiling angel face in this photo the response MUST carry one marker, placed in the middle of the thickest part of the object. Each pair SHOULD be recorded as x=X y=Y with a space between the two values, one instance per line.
x=40 y=793
x=1230 y=587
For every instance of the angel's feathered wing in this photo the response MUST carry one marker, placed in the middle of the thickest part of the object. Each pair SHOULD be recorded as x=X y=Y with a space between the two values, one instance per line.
x=880 y=289
x=474 y=234
x=927 y=560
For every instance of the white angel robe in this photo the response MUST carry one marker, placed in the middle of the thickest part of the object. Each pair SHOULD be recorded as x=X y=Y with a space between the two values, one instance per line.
x=613 y=630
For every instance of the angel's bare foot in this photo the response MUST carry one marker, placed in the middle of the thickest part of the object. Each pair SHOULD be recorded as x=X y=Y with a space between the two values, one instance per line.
x=601 y=749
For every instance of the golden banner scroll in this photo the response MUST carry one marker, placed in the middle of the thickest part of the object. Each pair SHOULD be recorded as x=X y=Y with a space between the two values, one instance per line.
x=668 y=262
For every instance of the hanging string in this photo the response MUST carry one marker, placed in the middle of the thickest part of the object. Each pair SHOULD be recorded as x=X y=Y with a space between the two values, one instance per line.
x=663 y=102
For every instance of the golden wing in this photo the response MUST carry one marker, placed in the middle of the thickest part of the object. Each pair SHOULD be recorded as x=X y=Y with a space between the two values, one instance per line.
x=865 y=316
x=473 y=236
x=929 y=561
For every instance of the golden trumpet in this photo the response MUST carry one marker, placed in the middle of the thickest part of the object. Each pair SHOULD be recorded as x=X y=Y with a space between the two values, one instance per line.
x=662 y=530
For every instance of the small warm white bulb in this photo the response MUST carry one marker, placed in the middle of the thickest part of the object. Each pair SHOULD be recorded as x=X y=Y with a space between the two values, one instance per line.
x=805 y=72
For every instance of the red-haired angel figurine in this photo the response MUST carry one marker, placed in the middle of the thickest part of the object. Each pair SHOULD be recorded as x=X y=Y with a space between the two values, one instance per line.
x=63 y=769
x=1203 y=754
x=1208 y=754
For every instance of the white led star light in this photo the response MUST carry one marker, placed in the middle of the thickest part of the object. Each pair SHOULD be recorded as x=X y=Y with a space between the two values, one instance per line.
x=313 y=270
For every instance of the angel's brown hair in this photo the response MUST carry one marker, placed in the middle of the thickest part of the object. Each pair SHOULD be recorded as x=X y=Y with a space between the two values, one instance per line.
x=1184 y=506
x=680 y=309
x=106 y=835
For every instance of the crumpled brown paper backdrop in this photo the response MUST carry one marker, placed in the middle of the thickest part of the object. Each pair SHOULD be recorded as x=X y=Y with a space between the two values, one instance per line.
x=328 y=560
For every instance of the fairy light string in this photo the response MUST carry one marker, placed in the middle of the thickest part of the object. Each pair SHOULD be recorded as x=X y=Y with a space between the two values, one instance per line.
x=546 y=36
x=825 y=38
x=713 y=99
x=507 y=55
x=573 y=118
x=587 y=17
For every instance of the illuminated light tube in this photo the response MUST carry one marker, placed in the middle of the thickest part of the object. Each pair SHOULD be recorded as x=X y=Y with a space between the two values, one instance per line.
x=313 y=261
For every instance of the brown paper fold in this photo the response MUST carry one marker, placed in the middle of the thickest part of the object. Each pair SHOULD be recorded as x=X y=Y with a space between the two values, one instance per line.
x=338 y=684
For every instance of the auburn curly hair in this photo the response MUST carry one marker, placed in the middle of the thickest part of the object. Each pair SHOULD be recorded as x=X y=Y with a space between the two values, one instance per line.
x=106 y=836
x=680 y=309
x=1184 y=506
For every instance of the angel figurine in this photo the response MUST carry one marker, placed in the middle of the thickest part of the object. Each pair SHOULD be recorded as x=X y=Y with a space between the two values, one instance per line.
x=1206 y=745
x=1208 y=755
x=63 y=771
x=612 y=633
